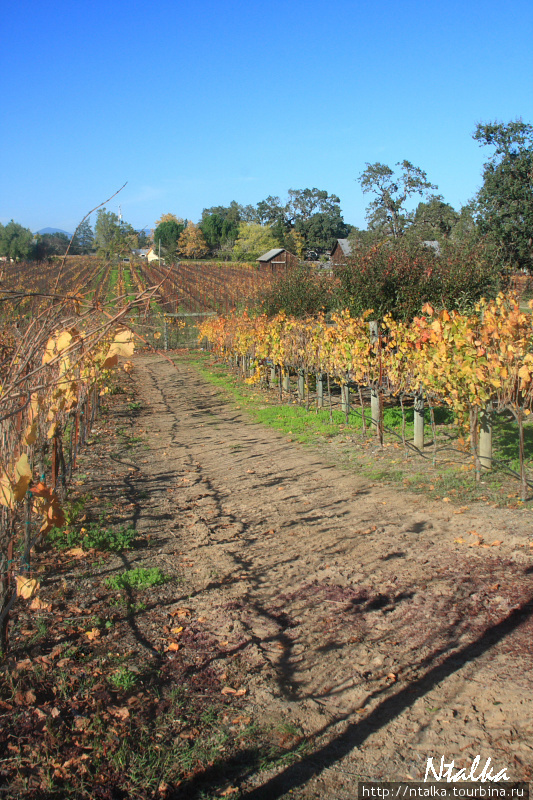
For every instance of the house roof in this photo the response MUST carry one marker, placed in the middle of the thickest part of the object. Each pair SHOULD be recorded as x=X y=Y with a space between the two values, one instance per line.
x=271 y=254
x=434 y=244
x=345 y=246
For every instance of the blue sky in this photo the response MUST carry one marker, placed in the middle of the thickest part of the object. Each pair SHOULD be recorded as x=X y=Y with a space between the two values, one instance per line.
x=197 y=104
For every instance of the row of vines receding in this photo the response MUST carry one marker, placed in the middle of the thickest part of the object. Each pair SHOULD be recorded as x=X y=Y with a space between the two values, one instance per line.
x=475 y=364
x=59 y=342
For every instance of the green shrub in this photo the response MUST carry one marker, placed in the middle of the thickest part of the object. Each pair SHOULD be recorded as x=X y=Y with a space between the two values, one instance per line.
x=399 y=277
x=301 y=292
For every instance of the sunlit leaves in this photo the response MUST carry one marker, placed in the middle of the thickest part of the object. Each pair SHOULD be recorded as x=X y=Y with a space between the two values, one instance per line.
x=457 y=359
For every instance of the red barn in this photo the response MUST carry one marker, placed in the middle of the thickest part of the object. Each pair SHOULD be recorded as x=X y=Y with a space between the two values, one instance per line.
x=278 y=260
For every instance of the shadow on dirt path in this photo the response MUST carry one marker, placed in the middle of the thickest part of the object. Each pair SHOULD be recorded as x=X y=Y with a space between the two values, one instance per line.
x=358 y=618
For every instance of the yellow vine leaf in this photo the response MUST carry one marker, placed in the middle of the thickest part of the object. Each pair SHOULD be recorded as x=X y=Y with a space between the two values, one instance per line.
x=6 y=492
x=26 y=587
x=123 y=344
x=30 y=435
x=23 y=478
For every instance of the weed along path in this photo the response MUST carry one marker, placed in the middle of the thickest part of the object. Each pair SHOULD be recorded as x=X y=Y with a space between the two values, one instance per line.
x=375 y=628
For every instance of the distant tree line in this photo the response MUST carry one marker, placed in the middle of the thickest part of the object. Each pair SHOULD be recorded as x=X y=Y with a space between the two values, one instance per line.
x=309 y=221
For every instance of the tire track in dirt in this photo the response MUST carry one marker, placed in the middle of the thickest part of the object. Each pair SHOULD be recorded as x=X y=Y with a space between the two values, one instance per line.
x=342 y=597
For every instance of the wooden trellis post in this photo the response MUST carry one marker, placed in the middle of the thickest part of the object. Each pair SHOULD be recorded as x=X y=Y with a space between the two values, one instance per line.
x=419 y=421
x=485 y=437
x=375 y=408
x=320 y=389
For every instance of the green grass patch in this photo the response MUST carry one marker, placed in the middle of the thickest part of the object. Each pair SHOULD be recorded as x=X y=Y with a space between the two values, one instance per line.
x=138 y=578
x=93 y=537
x=293 y=418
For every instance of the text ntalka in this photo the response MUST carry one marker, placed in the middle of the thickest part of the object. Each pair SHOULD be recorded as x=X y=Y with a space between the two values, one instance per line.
x=446 y=772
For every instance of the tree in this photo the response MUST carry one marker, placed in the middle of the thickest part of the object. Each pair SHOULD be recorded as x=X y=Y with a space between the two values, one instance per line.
x=113 y=237
x=51 y=244
x=387 y=212
x=505 y=201
x=321 y=230
x=304 y=203
x=192 y=243
x=16 y=242
x=169 y=218
x=219 y=231
x=233 y=212
x=253 y=241
x=313 y=214
x=168 y=233
x=83 y=239
x=271 y=211
x=433 y=220
x=143 y=239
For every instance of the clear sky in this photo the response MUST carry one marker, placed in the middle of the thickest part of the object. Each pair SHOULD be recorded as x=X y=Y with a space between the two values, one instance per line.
x=201 y=102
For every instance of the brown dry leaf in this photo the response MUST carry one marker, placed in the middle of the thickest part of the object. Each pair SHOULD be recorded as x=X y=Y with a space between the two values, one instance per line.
x=228 y=791
x=40 y=605
x=392 y=677
x=459 y=540
x=236 y=692
x=173 y=647
x=24 y=664
x=23 y=477
x=446 y=500
x=177 y=630
x=26 y=587
x=121 y=713
x=76 y=552
x=461 y=510
x=94 y=633
x=29 y=696
x=55 y=712
x=30 y=435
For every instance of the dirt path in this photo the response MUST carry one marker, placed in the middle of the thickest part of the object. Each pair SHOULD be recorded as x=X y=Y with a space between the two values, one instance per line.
x=350 y=607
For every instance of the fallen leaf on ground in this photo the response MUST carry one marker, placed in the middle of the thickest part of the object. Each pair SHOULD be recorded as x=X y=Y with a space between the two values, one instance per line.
x=121 y=713
x=94 y=633
x=180 y=612
x=26 y=587
x=40 y=605
x=76 y=552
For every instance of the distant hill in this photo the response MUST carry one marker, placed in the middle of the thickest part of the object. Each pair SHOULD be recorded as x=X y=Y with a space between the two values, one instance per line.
x=54 y=230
